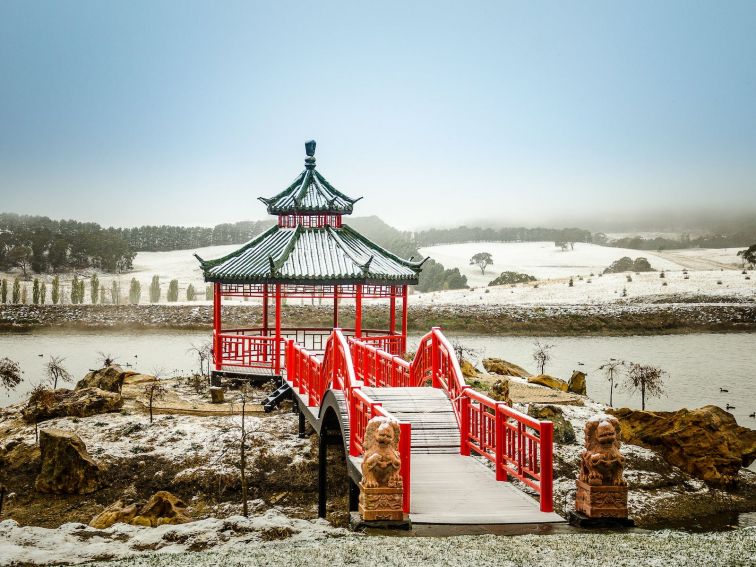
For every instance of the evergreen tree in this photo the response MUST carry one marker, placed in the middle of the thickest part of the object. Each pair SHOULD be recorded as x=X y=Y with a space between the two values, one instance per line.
x=102 y=295
x=24 y=294
x=191 y=293
x=17 y=290
x=35 y=292
x=42 y=293
x=173 y=291
x=208 y=293
x=75 y=290
x=94 y=290
x=155 y=289
x=82 y=290
x=55 y=293
x=135 y=291
x=115 y=292
x=4 y=291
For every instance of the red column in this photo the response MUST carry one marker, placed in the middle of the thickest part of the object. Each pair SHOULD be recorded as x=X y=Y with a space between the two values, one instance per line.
x=392 y=311
x=265 y=311
x=277 y=362
x=547 y=464
x=335 y=306
x=404 y=318
x=358 y=312
x=217 y=327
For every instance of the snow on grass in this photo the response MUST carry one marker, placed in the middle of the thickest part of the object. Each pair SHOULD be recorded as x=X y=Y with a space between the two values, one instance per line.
x=606 y=288
x=540 y=259
x=77 y=543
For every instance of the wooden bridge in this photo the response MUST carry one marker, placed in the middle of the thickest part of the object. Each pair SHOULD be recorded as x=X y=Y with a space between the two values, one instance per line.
x=458 y=448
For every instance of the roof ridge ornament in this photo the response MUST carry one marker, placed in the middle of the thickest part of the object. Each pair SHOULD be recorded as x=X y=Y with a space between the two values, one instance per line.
x=310 y=151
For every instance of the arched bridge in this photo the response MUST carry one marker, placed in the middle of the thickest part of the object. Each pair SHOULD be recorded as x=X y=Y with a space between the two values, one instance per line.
x=458 y=448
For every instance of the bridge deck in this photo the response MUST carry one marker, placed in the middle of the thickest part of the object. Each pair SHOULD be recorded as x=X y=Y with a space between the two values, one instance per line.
x=448 y=488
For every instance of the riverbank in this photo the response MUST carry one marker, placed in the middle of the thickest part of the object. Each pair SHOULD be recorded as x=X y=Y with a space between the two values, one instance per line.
x=616 y=318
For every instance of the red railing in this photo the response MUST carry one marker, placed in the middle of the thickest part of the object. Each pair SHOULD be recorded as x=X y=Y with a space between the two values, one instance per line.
x=336 y=371
x=247 y=352
x=517 y=445
x=378 y=368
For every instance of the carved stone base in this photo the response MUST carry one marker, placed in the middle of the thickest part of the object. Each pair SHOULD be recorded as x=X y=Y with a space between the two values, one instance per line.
x=382 y=504
x=601 y=501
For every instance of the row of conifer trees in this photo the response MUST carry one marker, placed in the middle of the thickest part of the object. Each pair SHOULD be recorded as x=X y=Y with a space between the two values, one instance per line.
x=17 y=291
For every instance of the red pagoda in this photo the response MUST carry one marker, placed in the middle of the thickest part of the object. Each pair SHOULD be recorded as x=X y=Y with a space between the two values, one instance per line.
x=309 y=253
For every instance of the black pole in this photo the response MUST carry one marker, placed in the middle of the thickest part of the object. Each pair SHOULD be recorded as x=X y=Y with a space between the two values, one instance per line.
x=354 y=496
x=322 y=472
x=302 y=425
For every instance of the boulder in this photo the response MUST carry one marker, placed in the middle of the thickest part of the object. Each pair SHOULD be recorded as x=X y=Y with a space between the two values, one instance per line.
x=116 y=513
x=49 y=404
x=706 y=442
x=110 y=378
x=500 y=391
x=577 y=383
x=501 y=366
x=217 y=395
x=162 y=508
x=467 y=368
x=549 y=382
x=66 y=466
x=564 y=433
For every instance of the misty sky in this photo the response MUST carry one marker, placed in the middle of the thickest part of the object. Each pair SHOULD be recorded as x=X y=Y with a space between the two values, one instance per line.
x=131 y=113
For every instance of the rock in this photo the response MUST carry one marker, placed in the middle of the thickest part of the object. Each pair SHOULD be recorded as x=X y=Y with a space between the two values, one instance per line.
x=577 y=383
x=467 y=368
x=706 y=442
x=564 y=433
x=549 y=382
x=501 y=366
x=137 y=378
x=110 y=378
x=500 y=391
x=49 y=404
x=114 y=514
x=217 y=395
x=66 y=468
x=162 y=508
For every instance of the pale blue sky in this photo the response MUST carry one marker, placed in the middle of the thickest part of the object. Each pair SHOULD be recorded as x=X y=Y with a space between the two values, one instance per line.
x=436 y=112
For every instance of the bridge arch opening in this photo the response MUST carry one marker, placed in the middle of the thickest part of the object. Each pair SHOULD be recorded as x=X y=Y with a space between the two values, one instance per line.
x=336 y=491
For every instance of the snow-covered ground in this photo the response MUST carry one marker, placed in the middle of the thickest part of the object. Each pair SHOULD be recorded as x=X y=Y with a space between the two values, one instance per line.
x=551 y=265
x=543 y=260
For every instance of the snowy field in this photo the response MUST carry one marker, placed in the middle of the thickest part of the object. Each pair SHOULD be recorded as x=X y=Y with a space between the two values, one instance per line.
x=543 y=260
x=552 y=266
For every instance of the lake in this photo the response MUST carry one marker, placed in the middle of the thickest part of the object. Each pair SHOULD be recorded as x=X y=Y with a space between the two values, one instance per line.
x=698 y=364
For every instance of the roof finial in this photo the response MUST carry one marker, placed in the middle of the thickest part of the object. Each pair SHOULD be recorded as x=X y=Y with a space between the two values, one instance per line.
x=310 y=150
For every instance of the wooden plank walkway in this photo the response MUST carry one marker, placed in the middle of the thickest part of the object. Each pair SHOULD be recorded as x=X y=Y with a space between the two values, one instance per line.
x=448 y=488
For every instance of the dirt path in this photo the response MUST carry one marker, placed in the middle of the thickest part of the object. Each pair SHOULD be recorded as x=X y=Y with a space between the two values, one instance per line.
x=694 y=262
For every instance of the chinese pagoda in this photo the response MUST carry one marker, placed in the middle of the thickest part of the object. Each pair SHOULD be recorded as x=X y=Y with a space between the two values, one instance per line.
x=309 y=253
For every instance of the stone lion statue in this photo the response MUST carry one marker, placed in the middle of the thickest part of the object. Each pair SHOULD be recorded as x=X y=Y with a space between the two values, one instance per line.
x=601 y=463
x=381 y=464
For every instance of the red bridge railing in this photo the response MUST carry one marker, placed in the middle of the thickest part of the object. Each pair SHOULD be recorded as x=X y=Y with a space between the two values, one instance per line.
x=314 y=377
x=517 y=445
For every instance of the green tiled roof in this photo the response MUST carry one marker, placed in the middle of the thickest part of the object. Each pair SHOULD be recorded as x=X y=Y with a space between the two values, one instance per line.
x=310 y=193
x=311 y=255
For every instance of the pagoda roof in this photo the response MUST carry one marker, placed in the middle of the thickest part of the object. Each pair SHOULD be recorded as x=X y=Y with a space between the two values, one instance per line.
x=310 y=193
x=323 y=255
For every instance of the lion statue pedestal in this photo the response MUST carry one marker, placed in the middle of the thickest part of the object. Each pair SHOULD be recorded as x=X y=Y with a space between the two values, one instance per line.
x=601 y=488
x=381 y=490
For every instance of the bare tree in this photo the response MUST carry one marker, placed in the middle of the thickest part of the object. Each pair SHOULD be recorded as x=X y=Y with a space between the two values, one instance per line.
x=10 y=374
x=646 y=379
x=611 y=368
x=154 y=390
x=203 y=352
x=107 y=358
x=245 y=393
x=56 y=371
x=464 y=351
x=482 y=260
x=542 y=355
